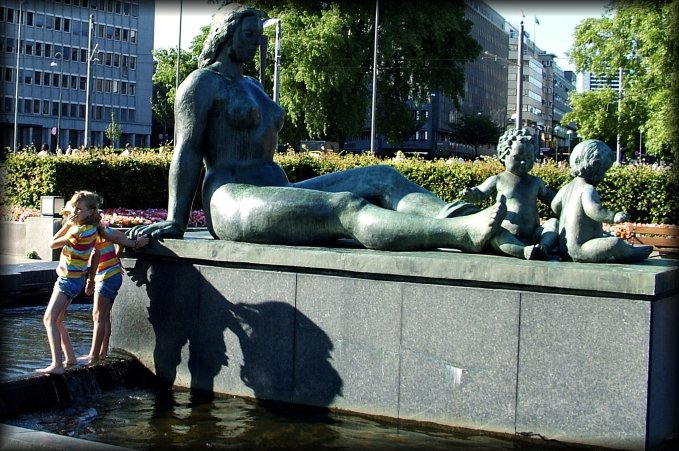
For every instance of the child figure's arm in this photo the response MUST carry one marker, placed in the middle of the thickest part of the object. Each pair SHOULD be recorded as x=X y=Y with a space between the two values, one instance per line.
x=591 y=204
x=545 y=194
x=481 y=192
x=94 y=264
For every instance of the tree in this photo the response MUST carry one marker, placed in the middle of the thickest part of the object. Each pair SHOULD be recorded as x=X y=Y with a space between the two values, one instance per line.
x=327 y=58
x=113 y=131
x=637 y=39
x=165 y=77
x=475 y=130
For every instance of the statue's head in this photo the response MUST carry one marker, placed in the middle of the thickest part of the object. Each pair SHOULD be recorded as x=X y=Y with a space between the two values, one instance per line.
x=590 y=159
x=222 y=28
x=515 y=146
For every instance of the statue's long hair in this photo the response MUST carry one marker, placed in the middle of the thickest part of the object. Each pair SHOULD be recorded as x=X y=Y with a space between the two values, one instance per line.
x=222 y=27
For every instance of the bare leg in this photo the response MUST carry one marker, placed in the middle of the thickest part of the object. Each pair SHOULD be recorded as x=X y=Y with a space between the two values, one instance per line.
x=602 y=249
x=101 y=325
x=288 y=215
x=66 y=345
x=57 y=305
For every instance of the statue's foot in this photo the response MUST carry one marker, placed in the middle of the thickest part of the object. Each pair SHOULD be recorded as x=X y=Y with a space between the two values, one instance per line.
x=535 y=252
x=637 y=254
x=481 y=226
x=52 y=369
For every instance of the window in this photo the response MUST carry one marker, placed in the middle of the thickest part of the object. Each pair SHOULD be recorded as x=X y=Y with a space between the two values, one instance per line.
x=81 y=111
x=66 y=54
x=40 y=20
x=108 y=58
x=74 y=110
x=36 y=106
x=116 y=86
x=55 y=109
x=38 y=49
x=8 y=73
x=123 y=114
x=132 y=89
x=45 y=107
x=100 y=30
x=49 y=22
x=67 y=25
x=27 y=105
x=29 y=48
x=74 y=82
x=83 y=83
x=133 y=62
x=119 y=7
x=29 y=18
x=74 y=54
x=2 y=13
x=131 y=115
x=10 y=45
x=116 y=34
x=126 y=34
x=48 y=50
x=133 y=36
x=109 y=32
x=83 y=55
x=123 y=88
x=116 y=60
x=107 y=86
x=28 y=78
x=64 y=81
x=100 y=85
x=46 y=79
x=55 y=80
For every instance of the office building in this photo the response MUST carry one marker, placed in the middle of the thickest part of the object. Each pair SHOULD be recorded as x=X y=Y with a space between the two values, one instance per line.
x=47 y=51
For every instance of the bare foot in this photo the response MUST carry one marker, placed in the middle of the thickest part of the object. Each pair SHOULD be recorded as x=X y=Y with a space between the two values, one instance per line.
x=473 y=231
x=70 y=362
x=87 y=359
x=52 y=369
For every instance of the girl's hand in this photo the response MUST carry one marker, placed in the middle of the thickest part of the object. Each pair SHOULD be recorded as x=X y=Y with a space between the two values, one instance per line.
x=89 y=287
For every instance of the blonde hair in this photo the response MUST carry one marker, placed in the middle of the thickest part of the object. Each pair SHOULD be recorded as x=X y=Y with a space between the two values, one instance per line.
x=89 y=200
x=222 y=27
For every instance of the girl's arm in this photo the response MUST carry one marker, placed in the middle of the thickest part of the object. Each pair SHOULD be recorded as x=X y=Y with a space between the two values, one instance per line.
x=92 y=271
x=60 y=239
x=118 y=237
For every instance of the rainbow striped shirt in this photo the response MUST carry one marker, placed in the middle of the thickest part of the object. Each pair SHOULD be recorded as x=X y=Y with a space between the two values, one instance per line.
x=109 y=263
x=75 y=256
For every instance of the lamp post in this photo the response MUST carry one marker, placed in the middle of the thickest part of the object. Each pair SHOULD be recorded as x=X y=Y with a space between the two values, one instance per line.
x=569 y=133
x=519 y=79
x=618 y=145
x=277 y=57
x=16 y=89
x=61 y=80
x=374 y=93
x=90 y=56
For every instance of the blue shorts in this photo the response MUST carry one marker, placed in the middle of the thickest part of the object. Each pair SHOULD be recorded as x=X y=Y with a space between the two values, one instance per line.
x=108 y=288
x=70 y=286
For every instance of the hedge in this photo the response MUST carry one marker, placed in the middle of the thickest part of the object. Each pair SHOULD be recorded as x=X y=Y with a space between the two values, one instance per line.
x=140 y=182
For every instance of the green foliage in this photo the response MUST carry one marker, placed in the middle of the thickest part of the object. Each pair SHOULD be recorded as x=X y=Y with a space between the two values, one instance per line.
x=140 y=181
x=113 y=131
x=475 y=130
x=638 y=39
x=327 y=60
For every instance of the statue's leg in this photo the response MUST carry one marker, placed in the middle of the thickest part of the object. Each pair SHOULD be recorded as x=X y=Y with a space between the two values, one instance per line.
x=601 y=249
x=383 y=186
x=288 y=215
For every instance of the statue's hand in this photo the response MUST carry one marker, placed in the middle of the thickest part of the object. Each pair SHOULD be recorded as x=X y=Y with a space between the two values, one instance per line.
x=620 y=216
x=465 y=193
x=157 y=230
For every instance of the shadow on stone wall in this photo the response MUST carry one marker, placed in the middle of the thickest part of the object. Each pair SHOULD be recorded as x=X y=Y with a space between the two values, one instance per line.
x=273 y=361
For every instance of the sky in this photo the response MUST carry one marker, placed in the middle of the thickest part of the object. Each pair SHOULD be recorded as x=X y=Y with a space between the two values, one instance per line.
x=554 y=33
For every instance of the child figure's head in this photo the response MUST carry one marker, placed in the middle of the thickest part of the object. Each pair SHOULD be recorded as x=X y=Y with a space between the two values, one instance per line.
x=516 y=151
x=591 y=159
x=83 y=208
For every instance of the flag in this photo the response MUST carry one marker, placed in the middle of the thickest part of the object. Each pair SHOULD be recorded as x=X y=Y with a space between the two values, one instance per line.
x=536 y=20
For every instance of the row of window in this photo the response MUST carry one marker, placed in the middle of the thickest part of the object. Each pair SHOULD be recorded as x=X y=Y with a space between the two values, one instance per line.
x=48 y=21
x=58 y=80
x=73 y=110
x=67 y=25
x=76 y=54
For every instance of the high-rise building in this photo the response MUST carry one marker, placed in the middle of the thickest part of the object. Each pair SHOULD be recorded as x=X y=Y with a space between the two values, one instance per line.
x=52 y=51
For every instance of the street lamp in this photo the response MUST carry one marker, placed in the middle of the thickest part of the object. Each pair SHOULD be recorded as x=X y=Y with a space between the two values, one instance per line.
x=61 y=82
x=277 y=66
x=90 y=57
x=569 y=133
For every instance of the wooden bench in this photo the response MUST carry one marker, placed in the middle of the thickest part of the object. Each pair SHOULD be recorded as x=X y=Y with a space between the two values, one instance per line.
x=665 y=239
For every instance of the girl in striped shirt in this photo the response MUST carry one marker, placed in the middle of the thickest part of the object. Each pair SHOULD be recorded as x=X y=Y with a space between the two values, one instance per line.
x=104 y=280
x=77 y=239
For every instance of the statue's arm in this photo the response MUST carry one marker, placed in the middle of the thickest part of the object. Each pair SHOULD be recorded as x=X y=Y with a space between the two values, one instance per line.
x=481 y=192
x=545 y=194
x=591 y=205
x=192 y=107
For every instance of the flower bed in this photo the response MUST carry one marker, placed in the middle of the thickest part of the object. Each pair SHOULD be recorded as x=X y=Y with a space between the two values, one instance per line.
x=115 y=217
